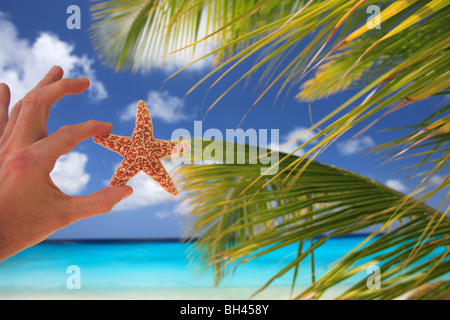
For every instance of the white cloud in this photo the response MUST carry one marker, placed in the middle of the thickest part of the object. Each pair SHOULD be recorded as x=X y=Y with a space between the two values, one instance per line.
x=163 y=214
x=182 y=207
x=130 y=111
x=23 y=63
x=164 y=106
x=68 y=173
x=288 y=148
x=396 y=185
x=436 y=178
x=356 y=145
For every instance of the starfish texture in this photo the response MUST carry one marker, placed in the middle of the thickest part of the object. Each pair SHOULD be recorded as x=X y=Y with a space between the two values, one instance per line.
x=142 y=152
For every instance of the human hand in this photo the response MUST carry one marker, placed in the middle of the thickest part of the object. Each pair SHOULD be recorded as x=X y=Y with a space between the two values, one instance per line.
x=31 y=205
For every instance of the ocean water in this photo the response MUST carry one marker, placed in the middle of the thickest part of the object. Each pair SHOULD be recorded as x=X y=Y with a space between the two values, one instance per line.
x=116 y=266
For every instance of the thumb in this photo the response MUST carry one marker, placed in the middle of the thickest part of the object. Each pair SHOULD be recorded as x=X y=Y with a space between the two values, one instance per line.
x=101 y=201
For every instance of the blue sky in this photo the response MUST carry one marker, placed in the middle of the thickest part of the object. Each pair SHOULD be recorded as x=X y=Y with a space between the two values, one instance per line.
x=34 y=36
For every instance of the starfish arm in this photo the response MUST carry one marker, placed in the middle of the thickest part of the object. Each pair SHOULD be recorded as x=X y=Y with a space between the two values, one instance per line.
x=114 y=142
x=155 y=169
x=144 y=127
x=164 y=148
x=124 y=172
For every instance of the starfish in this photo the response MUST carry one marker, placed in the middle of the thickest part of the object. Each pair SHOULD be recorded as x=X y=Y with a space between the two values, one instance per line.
x=142 y=152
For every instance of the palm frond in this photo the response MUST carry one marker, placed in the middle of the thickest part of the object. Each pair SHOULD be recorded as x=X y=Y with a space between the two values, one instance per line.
x=326 y=47
x=140 y=34
x=326 y=202
x=438 y=290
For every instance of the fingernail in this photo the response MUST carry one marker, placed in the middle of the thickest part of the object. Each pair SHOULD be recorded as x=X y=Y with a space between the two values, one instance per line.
x=127 y=194
x=53 y=69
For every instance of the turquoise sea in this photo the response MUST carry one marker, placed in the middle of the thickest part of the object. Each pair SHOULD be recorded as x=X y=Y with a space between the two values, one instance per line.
x=153 y=270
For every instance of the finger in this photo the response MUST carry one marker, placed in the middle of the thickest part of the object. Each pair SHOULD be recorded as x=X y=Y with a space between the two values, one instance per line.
x=5 y=97
x=66 y=138
x=50 y=94
x=99 y=202
x=54 y=74
x=31 y=124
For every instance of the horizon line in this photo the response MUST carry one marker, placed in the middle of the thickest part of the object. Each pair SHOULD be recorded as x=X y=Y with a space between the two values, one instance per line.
x=171 y=239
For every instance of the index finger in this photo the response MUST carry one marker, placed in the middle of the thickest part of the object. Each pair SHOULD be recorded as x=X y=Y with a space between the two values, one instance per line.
x=54 y=74
x=66 y=138
x=31 y=124
x=5 y=96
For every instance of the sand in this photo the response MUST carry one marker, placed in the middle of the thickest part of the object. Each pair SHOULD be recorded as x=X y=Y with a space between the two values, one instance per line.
x=235 y=293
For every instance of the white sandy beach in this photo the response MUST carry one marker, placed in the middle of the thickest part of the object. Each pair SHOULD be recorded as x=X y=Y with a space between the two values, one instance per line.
x=235 y=293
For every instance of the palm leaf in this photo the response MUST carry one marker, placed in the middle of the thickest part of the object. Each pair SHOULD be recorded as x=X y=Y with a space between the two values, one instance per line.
x=325 y=47
x=405 y=61
x=438 y=290
x=325 y=202
x=138 y=34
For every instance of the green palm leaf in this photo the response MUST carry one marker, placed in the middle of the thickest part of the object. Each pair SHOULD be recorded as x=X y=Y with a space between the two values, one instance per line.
x=325 y=202
x=323 y=47
x=405 y=61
